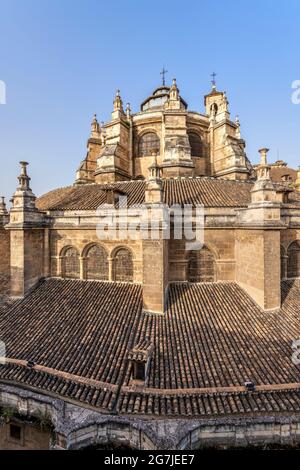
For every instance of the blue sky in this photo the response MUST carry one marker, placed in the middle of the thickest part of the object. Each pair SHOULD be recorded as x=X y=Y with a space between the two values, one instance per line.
x=62 y=60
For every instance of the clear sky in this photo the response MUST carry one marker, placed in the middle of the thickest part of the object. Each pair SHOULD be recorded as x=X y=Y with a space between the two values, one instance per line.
x=62 y=60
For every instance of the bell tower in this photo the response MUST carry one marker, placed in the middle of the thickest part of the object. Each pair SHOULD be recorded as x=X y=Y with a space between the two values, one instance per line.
x=227 y=149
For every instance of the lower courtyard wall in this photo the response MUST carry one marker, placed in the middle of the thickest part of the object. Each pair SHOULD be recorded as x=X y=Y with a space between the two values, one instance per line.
x=17 y=435
x=77 y=427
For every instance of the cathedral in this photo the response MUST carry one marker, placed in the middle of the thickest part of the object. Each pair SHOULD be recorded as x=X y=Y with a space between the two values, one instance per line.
x=140 y=342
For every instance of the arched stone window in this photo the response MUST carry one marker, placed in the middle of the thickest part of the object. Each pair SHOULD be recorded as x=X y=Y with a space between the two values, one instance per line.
x=214 y=109
x=123 y=265
x=97 y=263
x=70 y=264
x=293 y=264
x=283 y=262
x=196 y=144
x=202 y=266
x=148 y=144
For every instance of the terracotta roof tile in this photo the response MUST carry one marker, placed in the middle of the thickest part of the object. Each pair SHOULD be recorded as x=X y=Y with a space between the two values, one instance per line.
x=278 y=172
x=212 y=338
x=208 y=191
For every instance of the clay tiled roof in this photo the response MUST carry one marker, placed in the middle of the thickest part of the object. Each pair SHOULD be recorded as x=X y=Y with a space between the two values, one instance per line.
x=208 y=191
x=74 y=327
x=277 y=173
x=212 y=339
x=141 y=351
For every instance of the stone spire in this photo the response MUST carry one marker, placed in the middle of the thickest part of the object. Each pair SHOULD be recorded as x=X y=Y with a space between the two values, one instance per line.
x=154 y=168
x=23 y=199
x=3 y=212
x=238 y=127
x=153 y=192
x=174 y=99
x=263 y=169
x=263 y=189
x=24 y=178
x=95 y=128
x=128 y=111
x=174 y=91
x=118 y=106
x=27 y=238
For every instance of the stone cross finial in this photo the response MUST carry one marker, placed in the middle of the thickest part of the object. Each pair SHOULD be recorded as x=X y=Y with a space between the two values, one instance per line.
x=213 y=81
x=24 y=178
x=163 y=73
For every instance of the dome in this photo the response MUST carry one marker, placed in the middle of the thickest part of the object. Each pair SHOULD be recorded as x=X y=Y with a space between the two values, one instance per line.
x=158 y=98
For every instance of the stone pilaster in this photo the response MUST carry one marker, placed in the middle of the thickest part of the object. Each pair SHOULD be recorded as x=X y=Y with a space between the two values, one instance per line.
x=177 y=159
x=258 y=242
x=27 y=239
x=155 y=275
x=4 y=249
x=155 y=248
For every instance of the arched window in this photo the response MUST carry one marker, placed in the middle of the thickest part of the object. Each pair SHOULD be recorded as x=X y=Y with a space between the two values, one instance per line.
x=97 y=263
x=70 y=264
x=148 y=144
x=123 y=266
x=283 y=259
x=214 y=109
x=293 y=265
x=196 y=144
x=202 y=266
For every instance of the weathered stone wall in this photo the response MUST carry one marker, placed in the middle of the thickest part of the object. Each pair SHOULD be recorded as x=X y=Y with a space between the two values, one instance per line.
x=258 y=265
x=34 y=249
x=155 y=274
x=31 y=437
x=81 y=239
x=244 y=433
x=27 y=259
x=141 y=126
x=77 y=427
x=288 y=236
x=4 y=261
x=220 y=242
x=172 y=126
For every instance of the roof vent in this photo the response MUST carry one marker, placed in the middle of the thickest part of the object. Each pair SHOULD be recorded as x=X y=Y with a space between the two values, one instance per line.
x=249 y=386
x=140 y=357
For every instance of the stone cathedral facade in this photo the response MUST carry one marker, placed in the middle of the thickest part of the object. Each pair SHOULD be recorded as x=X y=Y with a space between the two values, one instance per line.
x=142 y=342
